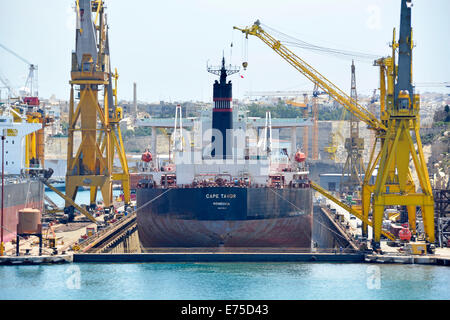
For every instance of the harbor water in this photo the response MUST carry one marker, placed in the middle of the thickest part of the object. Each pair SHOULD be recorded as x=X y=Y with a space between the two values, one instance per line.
x=223 y=281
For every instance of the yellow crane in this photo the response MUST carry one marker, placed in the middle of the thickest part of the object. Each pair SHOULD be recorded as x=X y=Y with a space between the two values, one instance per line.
x=92 y=164
x=395 y=154
x=316 y=77
x=391 y=187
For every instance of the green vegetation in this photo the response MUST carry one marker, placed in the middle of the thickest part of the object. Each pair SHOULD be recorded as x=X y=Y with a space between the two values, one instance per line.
x=442 y=115
x=138 y=132
x=65 y=128
x=333 y=114
x=427 y=138
x=282 y=110
x=59 y=135
x=441 y=122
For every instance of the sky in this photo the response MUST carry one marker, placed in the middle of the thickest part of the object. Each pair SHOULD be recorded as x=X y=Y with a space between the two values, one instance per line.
x=164 y=46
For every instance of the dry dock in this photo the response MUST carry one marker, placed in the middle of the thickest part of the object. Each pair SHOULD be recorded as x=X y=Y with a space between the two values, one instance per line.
x=112 y=245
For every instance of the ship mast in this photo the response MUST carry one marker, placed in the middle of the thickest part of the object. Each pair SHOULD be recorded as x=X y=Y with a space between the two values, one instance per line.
x=222 y=116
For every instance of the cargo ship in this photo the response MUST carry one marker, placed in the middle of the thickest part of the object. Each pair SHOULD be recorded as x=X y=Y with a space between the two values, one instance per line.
x=20 y=189
x=225 y=195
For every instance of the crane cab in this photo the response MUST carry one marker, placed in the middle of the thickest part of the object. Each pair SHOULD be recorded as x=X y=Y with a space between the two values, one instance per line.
x=119 y=113
x=87 y=63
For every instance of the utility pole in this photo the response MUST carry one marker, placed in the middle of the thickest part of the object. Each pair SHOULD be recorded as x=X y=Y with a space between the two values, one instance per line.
x=135 y=100
x=315 y=111
x=306 y=128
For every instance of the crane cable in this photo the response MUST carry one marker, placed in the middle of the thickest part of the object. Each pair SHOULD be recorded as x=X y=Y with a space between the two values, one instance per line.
x=346 y=54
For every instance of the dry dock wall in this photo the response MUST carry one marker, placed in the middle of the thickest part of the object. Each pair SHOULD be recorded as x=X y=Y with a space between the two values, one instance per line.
x=325 y=234
x=217 y=257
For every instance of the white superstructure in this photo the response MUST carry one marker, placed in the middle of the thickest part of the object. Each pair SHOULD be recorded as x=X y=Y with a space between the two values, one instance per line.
x=14 y=143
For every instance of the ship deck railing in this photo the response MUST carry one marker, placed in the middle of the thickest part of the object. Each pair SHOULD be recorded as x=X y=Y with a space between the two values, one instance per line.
x=200 y=185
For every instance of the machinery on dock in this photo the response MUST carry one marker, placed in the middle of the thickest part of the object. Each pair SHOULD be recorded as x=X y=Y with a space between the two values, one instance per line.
x=92 y=164
x=399 y=121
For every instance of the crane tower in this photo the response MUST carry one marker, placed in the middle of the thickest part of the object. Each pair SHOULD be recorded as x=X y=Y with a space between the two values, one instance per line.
x=354 y=145
x=97 y=123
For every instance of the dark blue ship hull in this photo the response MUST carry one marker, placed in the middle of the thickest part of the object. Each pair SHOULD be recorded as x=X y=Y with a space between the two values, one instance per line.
x=228 y=216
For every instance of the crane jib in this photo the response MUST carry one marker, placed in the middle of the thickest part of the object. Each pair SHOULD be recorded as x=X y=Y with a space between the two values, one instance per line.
x=313 y=75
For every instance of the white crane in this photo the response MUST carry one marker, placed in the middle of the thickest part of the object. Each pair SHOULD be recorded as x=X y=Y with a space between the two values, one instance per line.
x=31 y=83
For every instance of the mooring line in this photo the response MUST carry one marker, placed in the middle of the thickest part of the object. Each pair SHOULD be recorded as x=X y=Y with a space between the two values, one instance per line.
x=147 y=203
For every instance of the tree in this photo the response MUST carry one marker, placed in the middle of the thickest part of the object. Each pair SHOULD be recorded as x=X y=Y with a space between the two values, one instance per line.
x=65 y=128
x=442 y=115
